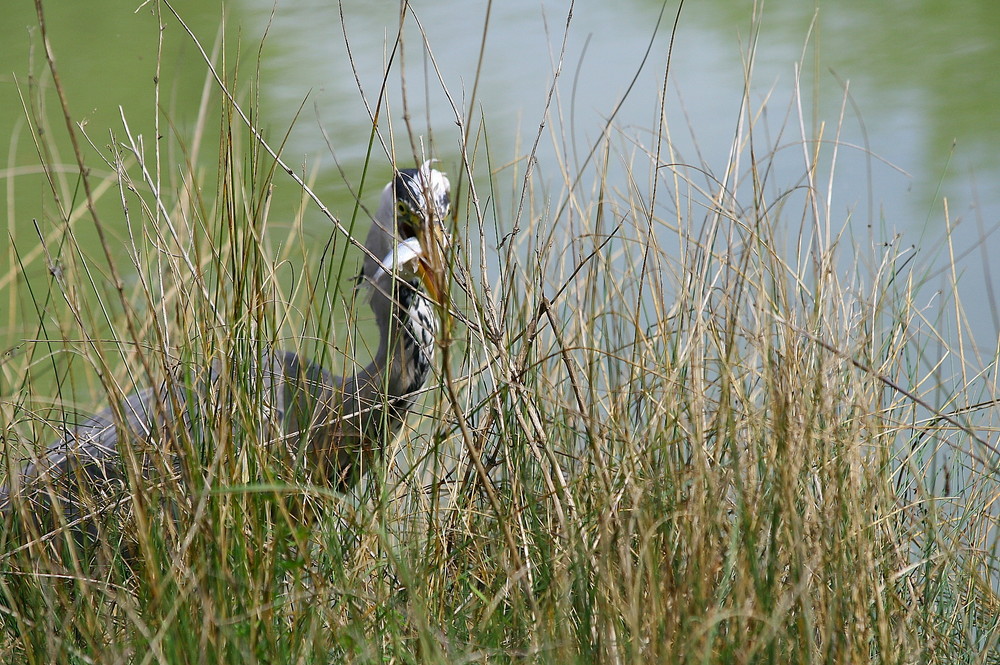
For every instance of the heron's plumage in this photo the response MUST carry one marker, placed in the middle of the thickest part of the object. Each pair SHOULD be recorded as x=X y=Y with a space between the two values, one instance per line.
x=332 y=428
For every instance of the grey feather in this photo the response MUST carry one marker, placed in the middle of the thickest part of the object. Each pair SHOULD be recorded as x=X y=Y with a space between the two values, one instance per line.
x=332 y=428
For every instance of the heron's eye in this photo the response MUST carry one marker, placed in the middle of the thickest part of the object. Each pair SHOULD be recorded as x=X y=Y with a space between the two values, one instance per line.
x=405 y=220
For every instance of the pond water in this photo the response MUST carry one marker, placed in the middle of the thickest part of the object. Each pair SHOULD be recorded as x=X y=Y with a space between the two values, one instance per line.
x=922 y=96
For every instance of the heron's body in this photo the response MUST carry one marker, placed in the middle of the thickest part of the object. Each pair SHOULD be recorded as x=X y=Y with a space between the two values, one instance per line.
x=331 y=428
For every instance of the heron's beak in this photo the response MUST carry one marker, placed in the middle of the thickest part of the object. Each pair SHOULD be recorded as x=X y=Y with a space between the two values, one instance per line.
x=433 y=264
x=430 y=278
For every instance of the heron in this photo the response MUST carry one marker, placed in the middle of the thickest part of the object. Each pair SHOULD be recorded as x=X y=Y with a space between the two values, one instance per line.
x=336 y=427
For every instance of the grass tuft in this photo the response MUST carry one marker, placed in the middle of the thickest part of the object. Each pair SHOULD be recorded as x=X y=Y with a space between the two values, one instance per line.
x=680 y=418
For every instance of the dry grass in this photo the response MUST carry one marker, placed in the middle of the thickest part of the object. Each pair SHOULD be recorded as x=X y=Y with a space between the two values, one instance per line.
x=682 y=420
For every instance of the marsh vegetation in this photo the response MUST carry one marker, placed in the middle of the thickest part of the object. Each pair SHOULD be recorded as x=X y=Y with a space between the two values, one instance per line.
x=681 y=416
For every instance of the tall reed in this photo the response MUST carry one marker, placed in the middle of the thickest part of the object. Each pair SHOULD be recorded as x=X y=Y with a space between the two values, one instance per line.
x=679 y=419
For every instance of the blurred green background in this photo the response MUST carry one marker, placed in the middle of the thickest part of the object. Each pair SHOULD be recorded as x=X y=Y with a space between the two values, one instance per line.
x=923 y=96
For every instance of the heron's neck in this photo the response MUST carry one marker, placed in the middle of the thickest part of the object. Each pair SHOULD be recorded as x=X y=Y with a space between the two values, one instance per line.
x=408 y=330
x=418 y=325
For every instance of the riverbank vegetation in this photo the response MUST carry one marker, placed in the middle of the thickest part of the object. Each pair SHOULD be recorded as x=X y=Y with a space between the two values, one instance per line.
x=683 y=414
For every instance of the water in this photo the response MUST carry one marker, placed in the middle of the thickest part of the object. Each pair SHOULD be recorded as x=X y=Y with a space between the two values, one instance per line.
x=918 y=94
x=923 y=93
x=916 y=89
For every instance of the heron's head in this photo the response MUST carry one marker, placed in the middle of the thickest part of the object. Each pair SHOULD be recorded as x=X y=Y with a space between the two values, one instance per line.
x=422 y=198
x=408 y=228
x=414 y=205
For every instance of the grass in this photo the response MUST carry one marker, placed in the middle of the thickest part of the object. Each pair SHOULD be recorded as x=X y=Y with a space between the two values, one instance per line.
x=699 y=427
